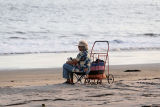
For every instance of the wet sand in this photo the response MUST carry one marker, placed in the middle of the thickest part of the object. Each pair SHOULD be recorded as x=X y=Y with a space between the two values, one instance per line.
x=34 y=87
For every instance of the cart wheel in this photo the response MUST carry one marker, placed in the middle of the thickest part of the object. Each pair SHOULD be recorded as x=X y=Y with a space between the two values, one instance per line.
x=110 y=78
x=99 y=81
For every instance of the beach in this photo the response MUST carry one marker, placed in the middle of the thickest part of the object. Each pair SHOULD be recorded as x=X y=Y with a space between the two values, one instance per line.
x=34 y=87
x=37 y=37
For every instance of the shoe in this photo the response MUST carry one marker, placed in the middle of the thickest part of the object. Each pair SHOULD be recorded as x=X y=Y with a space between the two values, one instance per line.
x=67 y=82
x=72 y=83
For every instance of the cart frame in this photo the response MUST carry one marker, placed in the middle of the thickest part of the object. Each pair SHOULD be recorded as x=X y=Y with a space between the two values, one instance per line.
x=109 y=77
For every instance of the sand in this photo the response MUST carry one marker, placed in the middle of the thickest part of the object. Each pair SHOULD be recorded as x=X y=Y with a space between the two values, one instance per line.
x=34 y=87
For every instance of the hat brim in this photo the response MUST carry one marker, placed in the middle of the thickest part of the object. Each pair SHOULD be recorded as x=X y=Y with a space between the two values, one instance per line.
x=79 y=45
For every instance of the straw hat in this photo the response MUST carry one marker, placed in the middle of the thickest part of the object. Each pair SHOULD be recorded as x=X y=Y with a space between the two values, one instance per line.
x=83 y=43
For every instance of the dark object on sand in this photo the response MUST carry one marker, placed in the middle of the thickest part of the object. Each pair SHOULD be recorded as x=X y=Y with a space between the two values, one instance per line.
x=135 y=70
x=12 y=81
x=43 y=105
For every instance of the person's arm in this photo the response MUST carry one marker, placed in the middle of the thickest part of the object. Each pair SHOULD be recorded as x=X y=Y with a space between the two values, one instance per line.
x=72 y=62
x=75 y=60
x=79 y=56
x=88 y=64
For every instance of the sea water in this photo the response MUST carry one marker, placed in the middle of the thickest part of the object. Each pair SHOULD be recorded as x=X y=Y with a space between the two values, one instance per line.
x=46 y=26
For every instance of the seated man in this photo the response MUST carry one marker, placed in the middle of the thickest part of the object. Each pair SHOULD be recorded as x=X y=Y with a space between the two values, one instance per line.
x=80 y=64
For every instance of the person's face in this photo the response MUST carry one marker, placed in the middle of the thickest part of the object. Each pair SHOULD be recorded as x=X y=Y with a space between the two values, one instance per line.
x=80 y=48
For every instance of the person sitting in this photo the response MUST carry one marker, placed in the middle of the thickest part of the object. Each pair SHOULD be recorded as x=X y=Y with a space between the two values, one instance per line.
x=79 y=64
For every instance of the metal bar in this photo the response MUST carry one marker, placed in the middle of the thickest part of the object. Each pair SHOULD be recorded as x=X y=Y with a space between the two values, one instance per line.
x=101 y=41
x=98 y=53
x=105 y=54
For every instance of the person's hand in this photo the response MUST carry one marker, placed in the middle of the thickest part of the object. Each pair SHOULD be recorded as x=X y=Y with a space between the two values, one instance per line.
x=69 y=62
x=72 y=62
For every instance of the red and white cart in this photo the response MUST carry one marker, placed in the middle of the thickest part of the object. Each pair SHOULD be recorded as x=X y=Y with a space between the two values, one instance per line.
x=99 y=70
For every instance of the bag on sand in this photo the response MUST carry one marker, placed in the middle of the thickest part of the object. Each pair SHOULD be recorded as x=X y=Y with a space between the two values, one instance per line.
x=97 y=70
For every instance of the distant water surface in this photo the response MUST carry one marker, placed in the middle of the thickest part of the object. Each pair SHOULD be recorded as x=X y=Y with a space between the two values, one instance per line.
x=41 y=26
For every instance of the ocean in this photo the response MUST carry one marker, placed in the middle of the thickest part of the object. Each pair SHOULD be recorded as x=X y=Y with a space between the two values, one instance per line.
x=51 y=26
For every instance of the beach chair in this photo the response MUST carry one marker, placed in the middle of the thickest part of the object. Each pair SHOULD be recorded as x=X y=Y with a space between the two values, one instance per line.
x=80 y=76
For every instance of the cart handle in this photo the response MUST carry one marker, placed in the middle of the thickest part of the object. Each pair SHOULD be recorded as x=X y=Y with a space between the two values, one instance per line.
x=100 y=41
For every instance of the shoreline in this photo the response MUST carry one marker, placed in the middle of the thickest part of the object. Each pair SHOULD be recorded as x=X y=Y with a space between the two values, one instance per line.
x=113 y=50
x=58 y=68
x=56 y=60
